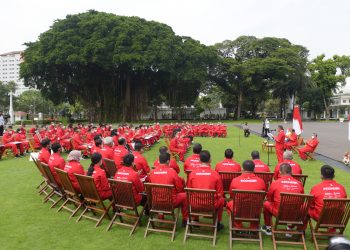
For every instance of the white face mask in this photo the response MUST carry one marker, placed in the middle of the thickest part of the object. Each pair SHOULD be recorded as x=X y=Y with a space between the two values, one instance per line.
x=313 y=137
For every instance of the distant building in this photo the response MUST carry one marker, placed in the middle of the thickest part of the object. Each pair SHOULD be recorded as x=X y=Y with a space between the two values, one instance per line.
x=340 y=102
x=9 y=70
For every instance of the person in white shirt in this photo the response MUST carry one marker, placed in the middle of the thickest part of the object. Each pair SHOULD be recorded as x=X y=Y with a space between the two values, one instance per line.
x=2 y=124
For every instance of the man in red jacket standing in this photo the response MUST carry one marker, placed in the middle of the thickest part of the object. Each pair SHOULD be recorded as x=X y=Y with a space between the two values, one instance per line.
x=286 y=183
x=205 y=178
x=328 y=188
x=279 y=143
x=247 y=181
x=228 y=165
x=309 y=147
x=288 y=158
x=259 y=165
x=163 y=174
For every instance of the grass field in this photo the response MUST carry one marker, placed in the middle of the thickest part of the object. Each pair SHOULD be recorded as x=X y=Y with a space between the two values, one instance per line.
x=27 y=223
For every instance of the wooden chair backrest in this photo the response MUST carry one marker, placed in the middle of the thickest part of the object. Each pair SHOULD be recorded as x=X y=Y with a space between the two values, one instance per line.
x=300 y=177
x=66 y=183
x=51 y=180
x=335 y=213
x=111 y=168
x=38 y=165
x=300 y=140
x=122 y=193
x=29 y=136
x=159 y=197
x=227 y=178
x=88 y=188
x=247 y=204
x=1 y=141
x=266 y=176
x=293 y=209
x=188 y=172
x=167 y=142
x=200 y=201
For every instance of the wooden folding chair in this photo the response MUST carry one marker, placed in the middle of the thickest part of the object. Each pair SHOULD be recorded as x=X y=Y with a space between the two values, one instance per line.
x=201 y=203
x=188 y=172
x=334 y=216
x=110 y=167
x=247 y=206
x=160 y=202
x=124 y=202
x=55 y=188
x=293 y=212
x=92 y=200
x=266 y=176
x=227 y=178
x=300 y=141
x=43 y=185
x=31 y=143
x=71 y=195
x=172 y=153
x=300 y=177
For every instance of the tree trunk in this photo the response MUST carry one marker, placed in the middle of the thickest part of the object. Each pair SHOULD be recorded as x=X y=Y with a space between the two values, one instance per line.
x=126 y=106
x=155 y=113
x=239 y=104
x=326 y=107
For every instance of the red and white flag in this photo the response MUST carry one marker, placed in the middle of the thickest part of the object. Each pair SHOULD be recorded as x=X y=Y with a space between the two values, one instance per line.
x=297 y=124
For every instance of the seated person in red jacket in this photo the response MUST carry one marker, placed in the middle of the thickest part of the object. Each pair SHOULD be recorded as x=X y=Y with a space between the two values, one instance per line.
x=107 y=150
x=309 y=147
x=193 y=162
x=100 y=178
x=259 y=165
x=78 y=143
x=127 y=173
x=247 y=181
x=9 y=142
x=44 y=153
x=228 y=165
x=119 y=152
x=96 y=148
x=206 y=178
x=176 y=146
x=172 y=162
x=73 y=166
x=287 y=184
x=163 y=174
x=140 y=161
x=291 y=139
x=288 y=158
x=56 y=160
x=327 y=189
x=21 y=137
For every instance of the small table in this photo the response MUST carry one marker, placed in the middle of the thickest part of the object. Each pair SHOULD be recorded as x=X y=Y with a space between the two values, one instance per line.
x=265 y=146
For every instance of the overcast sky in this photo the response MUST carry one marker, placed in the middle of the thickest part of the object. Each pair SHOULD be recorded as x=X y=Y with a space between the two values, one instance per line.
x=320 y=25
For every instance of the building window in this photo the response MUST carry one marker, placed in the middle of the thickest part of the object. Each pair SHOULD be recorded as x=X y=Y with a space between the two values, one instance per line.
x=344 y=101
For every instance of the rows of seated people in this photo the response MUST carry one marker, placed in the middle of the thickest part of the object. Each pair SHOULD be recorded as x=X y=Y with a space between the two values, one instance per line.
x=201 y=129
x=133 y=167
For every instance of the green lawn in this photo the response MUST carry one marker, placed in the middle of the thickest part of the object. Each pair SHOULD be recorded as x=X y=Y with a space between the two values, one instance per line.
x=27 y=223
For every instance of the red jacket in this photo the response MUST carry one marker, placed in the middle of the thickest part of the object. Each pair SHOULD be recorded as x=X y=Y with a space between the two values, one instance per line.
x=228 y=165
x=119 y=152
x=74 y=167
x=192 y=162
x=206 y=178
x=128 y=174
x=107 y=152
x=141 y=164
x=172 y=164
x=76 y=140
x=295 y=168
x=260 y=166
x=326 y=189
x=101 y=182
x=247 y=181
x=279 y=139
x=286 y=184
x=56 y=161
x=293 y=139
x=311 y=145
x=8 y=137
x=44 y=155
x=165 y=175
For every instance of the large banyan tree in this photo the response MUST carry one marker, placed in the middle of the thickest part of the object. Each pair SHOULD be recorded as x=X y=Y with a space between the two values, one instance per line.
x=116 y=66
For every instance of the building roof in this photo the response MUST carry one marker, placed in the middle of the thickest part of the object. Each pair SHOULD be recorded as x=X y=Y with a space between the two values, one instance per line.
x=12 y=53
x=20 y=113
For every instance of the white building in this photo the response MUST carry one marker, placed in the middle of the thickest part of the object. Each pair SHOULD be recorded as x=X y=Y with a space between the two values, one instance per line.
x=340 y=102
x=9 y=69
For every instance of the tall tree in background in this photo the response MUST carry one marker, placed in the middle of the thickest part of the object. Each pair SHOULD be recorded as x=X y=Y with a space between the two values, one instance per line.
x=328 y=75
x=111 y=64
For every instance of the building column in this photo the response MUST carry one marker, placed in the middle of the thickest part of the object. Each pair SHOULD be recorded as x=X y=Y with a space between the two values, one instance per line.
x=337 y=113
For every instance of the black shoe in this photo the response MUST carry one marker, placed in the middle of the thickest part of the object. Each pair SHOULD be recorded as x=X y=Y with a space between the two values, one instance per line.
x=266 y=230
x=184 y=223
x=220 y=226
x=16 y=156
